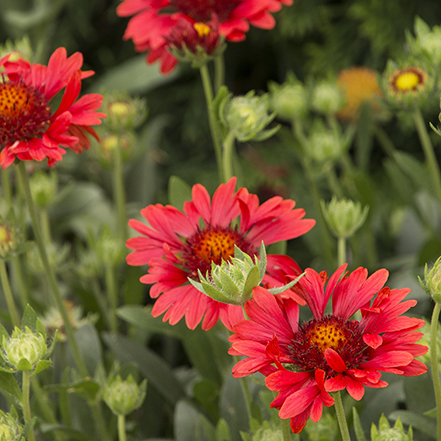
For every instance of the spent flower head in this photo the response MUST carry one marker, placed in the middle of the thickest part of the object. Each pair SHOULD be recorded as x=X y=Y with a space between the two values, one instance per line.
x=290 y=99
x=343 y=216
x=246 y=116
x=385 y=432
x=432 y=281
x=123 y=396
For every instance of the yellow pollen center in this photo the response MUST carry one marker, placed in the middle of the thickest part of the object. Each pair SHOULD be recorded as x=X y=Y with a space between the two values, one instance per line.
x=15 y=100
x=202 y=29
x=407 y=81
x=119 y=108
x=326 y=336
x=215 y=246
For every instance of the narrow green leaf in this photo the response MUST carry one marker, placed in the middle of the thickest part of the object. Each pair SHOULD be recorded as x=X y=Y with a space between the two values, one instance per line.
x=9 y=384
x=41 y=366
x=222 y=431
x=155 y=369
x=29 y=319
x=359 y=433
x=72 y=433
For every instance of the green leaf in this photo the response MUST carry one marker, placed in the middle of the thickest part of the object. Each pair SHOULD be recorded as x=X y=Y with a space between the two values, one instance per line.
x=41 y=366
x=188 y=423
x=89 y=345
x=9 y=384
x=29 y=319
x=222 y=431
x=423 y=424
x=72 y=433
x=178 y=192
x=86 y=389
x=359 y=433
x=154 y=368
x=133 y=76
x=24 y=365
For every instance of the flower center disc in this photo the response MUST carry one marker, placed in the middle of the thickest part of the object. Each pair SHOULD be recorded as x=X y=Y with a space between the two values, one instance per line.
x=213 y=244
x=201 y=10
x=310 y=342
x=24 y=112
x=407 y=81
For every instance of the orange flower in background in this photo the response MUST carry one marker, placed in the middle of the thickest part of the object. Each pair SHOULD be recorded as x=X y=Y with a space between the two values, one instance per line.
x=360 y=85
x=31 y=129
x=153 y=21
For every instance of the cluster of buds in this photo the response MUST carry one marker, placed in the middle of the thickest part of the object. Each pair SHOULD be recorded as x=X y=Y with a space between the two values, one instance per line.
x=245 y=117
x=432 y=281
x=233 y=281
x=196 y=42
x=123 y=396
x=344 y=217
x=26 y=349
x=289 y=100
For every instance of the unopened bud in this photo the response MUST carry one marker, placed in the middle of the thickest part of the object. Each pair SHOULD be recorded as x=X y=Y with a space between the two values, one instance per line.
x=10 y=429
x=327 y=98
x=432 y=281
x=44 y=188
x=289 y=100
x=387 y=433
x=124 y=396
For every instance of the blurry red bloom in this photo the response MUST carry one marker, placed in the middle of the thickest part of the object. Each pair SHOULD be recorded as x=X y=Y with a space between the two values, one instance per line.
x=154 y=20
x=175 y=245
x=30 y=128
x=330 y=352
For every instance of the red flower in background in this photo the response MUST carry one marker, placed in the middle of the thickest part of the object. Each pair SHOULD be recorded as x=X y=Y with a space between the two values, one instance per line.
x=31 y=130
x=330 y=352
x=175 y=245
x=153 y=21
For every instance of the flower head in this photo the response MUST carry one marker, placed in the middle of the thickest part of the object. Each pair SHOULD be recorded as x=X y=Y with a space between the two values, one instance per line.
x=31 y=128
x=177 y=245
x=153 y=24
x=385 y=432
x=360 y=86
x=330 y=352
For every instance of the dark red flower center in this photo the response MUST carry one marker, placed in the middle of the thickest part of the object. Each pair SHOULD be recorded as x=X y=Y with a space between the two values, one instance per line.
x=202 y=10
x=24 y=112
x=314 y=337
x=212 y=244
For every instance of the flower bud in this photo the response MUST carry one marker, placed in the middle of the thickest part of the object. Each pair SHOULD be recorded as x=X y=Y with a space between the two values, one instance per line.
x=124 y=396
x=233 y=281
x=327 y=98
x=10 y=429
x=432 y=281
x=44 y=188
x=268 y=434
x=24 y=349
x=426 y=43
x=387 y=433
x=289 y=100
x=425 y=341
x=17 y=50
x=246 y=116
x=324 y=429
x=107 y=247
x=123 y=112
x=344 y=217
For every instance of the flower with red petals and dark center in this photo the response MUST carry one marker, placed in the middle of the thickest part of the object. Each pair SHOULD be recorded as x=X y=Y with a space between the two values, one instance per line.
x=30 y=129
x=175 y=245
x=152 y=26
x=330 y=352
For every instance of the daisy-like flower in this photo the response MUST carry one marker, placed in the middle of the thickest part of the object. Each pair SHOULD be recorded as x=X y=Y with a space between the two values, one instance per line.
x=31 y=129
x=359 y=85
x=410 y=79
x=154 y=20
x=330 y=352
x=175 y=245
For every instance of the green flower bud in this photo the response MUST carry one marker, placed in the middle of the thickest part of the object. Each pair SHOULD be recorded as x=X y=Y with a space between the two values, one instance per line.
x=19 y=49
x=327 y=98
x=58 y=256
x=432 y=281
x=426 y=43
x=387 y=433
x=289 y=100
x=326 y=429
x=123 y=112
x=10 y=429
x=344 y=217
x=247 y=116
x=425 y=341
x=233 y=281
x=268 y=434
x=24 y=349
x=109 y=144
x=124 y=396
x=44 y=188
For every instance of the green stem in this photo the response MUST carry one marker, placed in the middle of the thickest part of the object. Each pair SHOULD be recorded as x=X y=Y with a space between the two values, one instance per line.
x=119 y=192
x=434 y=365
x=7 y=192
x=219 y=72
x=334 y=185
x=25 y=401
x=227 y=160
x=286 y=429
x=122 y=427
x=341 y=418
x=341 y=253
x=246 y=392
x=112 y=295
x=429 y=153
x=212 y=119
x=8 y=294
x=49 y=272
